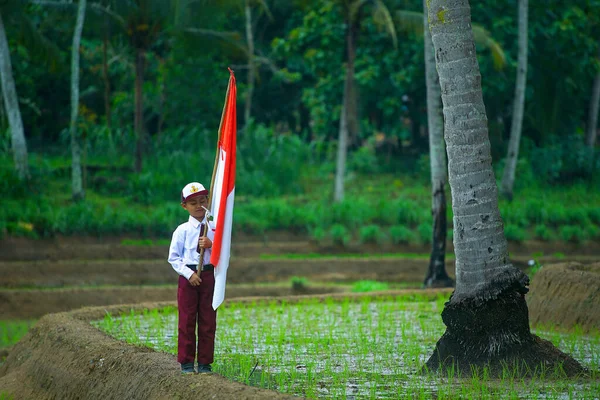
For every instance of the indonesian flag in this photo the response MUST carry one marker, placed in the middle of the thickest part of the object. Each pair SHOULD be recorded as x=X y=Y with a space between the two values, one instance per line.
x=223 y=193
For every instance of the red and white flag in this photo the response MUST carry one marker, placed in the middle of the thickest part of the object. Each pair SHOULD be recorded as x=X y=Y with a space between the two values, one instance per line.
x=223 y=193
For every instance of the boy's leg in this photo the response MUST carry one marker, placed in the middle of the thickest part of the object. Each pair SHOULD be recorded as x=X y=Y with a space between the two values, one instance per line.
x=187 y=305
x=207 y=319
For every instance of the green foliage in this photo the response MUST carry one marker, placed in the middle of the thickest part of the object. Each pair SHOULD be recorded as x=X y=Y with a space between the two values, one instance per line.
x=299 y=283
x=12 y=331
x=371 y=234
x=401 y=235
x=340 y=235
x=268 y=162
x=542 y=232
x=425 y=230
x=572 y=233
x=566 y=159
x=363 y=160
x=515 y=233
x=318 y=234
x=369 y=286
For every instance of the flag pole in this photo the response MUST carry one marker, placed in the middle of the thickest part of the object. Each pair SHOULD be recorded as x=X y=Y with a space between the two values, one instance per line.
x=212 y=180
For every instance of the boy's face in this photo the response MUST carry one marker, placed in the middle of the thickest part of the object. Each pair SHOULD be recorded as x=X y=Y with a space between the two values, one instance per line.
x=194 y=206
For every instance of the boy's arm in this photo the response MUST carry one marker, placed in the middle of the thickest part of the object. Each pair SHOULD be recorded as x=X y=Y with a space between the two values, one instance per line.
x=176 y=254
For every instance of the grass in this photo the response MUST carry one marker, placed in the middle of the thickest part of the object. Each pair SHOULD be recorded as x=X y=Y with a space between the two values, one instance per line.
x=367 y=349
x=369 y=286
x=11 y=331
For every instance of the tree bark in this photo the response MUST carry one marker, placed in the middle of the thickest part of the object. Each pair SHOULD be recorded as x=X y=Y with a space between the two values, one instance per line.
x=11 y=102
x=343 y=136
x=139 y=109
x=486 y=317
x=251 y=66
x=592 y=126
x=508 y=179
x=340 y=170
x=436 y=273
x=352 y=120
x=76 y=176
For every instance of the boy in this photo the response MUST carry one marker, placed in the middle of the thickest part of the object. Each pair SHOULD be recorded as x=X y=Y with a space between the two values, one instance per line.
x=196 y=282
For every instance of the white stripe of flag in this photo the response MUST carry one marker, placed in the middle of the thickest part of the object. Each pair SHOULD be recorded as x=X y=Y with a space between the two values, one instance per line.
x=223 y=194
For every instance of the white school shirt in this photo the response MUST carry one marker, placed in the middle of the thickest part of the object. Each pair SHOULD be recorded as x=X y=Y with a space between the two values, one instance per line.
x=184 y=244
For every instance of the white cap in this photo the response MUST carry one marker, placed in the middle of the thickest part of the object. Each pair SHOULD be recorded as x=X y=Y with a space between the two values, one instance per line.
x=192 y=190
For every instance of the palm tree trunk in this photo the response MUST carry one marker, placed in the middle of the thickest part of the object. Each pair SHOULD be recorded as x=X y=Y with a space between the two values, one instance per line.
x=11 y=102
x=352 y=120
x=77 y=185
x=251 y=66
x=139 y=107
x=486 y=317
x=436 y=273
x=508 y=179
x=592 y=126
x=340 y=169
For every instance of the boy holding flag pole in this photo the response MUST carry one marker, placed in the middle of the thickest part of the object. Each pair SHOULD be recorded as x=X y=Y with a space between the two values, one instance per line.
x=200 y=248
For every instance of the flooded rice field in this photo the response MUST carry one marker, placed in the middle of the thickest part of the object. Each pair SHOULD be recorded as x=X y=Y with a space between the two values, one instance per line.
x=351 y=349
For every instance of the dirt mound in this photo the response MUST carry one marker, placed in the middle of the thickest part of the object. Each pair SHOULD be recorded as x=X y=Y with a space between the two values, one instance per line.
x=566 y=295
x=64 y=357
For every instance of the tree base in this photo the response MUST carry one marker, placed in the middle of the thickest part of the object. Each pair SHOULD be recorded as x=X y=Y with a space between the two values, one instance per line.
x=494 y=335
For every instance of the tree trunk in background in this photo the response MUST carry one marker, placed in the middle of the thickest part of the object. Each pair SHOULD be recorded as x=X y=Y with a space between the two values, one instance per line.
x=106 y=78
x=340 y=169
x=486 y=317
x=251 y=66
x=140 y=132
x=343 y=136
x=76 y=178
x=508 y=179
x=11 y=102
x=352 y=120
x=436 y=273
x=592 y=126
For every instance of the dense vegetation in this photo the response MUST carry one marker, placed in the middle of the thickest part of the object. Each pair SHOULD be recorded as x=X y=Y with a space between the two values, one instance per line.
x=286 y=151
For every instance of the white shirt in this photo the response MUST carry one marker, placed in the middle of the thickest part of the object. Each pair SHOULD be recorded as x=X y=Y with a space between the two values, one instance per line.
x=184 y=245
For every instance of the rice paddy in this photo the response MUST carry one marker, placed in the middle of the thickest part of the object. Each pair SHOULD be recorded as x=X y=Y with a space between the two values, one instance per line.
x=371 y=348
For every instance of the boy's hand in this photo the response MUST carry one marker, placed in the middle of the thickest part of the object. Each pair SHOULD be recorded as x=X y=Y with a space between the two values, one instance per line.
x=204 y=243
x=195 y=280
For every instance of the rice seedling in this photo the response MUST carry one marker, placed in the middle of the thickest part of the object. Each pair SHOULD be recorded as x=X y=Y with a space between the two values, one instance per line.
x=341 y=348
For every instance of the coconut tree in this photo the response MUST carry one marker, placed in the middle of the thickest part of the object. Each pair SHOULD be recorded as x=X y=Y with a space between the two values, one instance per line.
x=508 y=178
x=436 y=273
x=486 y=317
x=411 y=21
x=77 y=186
x=11 y=102
x=592 y=126
x=12 y=12
x=353 y=14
